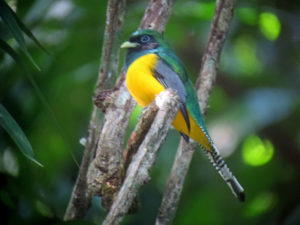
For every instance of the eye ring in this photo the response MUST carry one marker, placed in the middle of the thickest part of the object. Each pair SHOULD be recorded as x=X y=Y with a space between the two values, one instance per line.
x=145 y=38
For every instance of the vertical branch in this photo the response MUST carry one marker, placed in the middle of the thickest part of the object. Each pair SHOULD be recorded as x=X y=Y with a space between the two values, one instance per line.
x=109 y=62
x=157 y=14
x=80 y=199
x=105 y=173
x=210 y=60
x=175 y=183
x=207 y=75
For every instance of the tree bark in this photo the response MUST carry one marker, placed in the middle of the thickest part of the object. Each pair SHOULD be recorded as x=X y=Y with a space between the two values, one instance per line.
x=80 y=198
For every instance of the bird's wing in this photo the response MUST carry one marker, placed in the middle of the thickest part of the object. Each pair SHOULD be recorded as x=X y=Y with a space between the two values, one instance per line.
x=191 y=99
x=170 y=79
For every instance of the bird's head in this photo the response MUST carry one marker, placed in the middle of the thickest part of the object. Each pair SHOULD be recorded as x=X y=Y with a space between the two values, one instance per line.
x=143 y=40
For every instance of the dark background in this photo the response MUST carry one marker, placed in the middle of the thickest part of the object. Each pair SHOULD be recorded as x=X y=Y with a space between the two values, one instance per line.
x=253 y=113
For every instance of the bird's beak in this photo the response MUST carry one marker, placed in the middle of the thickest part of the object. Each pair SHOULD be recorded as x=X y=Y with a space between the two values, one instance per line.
x=128 y=44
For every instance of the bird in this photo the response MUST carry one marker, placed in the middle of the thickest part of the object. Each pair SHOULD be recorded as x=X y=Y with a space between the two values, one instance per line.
x=151 y=67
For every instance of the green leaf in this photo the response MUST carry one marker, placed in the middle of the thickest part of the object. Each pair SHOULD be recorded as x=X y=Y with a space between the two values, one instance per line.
x=9 y=50
x=269 y=25
x=9 y=19
x=6 y=48
x=28 y=32
x=16 y=133
x=257 y=152
x=11 y=23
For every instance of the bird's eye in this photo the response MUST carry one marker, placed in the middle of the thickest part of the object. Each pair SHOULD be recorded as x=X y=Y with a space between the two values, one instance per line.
x=145 y=38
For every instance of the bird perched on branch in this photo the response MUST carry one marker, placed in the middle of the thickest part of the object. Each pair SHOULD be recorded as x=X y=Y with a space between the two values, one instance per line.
x=151 y=67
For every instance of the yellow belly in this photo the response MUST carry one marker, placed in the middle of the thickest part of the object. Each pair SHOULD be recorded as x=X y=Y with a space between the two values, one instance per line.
x=140 y=81
x=144 y=87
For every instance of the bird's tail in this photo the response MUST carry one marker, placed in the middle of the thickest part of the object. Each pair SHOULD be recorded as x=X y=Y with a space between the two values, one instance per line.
x=199 y=133
x=220 y=165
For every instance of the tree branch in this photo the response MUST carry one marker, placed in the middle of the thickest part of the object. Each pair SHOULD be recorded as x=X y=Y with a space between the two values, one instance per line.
x=210 y=60
x=157 y=14
x=138 y=170
x=105 y=174
x=207 y=75
x=81 y=199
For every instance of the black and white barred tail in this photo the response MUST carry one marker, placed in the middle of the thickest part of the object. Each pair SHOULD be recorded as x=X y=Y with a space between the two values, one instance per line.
x=220 y=165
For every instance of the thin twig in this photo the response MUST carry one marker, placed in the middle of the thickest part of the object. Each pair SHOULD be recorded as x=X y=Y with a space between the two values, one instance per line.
x=207 y=75
x=80 y=199
x=138 y=171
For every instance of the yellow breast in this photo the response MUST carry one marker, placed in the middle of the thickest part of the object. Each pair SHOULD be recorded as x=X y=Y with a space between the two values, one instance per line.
x=140 y=80
x=144 y=87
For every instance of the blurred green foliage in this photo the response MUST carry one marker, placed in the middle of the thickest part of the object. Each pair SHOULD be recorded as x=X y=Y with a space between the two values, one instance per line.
x=256 y=152
x=253 y=115
x=16 y=133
